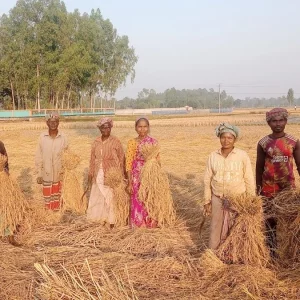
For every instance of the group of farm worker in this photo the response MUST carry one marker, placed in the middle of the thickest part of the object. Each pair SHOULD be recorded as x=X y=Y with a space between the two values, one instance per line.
x=228 y=170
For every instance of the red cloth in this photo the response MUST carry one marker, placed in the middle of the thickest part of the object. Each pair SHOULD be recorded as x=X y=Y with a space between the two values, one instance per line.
x=52 y=193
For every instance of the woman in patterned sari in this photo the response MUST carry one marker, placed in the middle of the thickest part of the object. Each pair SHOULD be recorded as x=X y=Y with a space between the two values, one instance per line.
x=134 y=162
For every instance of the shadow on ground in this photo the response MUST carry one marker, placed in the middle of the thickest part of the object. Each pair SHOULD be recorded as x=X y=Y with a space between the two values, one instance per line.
x=25 y=181
x=187 y=199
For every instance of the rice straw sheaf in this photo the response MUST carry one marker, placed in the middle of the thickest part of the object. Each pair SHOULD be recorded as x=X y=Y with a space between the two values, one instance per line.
x=287 y=212
x=246 y=241
x=114 y=179
x=71 y=184
x=154 y=190
x=222 y=281
x=12 y=201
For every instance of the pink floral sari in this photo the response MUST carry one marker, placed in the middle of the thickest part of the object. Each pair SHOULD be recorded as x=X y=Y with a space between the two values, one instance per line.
x=138 y=213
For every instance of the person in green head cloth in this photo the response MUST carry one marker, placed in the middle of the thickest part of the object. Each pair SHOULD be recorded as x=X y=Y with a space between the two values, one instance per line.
x=228 y=171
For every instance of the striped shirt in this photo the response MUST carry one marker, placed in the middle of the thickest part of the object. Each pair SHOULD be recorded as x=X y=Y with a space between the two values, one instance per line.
x=106 y=155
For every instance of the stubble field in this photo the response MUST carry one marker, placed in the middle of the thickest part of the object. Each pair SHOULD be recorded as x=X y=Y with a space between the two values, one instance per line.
x=78 y=260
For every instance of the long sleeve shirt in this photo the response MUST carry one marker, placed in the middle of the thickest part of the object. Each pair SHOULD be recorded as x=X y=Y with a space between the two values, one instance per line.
x=48 y=156
x=3 y=152
x=229 y=175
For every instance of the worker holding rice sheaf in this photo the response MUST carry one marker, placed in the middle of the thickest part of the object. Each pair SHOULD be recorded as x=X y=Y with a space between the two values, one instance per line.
x=48 y=161
x=274 y=167
x=228 y=173
x=106 y=154
x=151 y=203
x=139 y=216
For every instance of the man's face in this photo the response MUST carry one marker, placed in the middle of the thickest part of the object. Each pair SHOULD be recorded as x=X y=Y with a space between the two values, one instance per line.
x=53 y=124
x=277 y=124
x=105 y=130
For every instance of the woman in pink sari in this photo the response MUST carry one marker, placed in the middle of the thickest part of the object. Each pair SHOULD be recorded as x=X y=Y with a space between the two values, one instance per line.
x=134 y=162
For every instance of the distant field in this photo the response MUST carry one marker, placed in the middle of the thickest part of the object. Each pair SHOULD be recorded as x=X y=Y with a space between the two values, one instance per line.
x=185 y=142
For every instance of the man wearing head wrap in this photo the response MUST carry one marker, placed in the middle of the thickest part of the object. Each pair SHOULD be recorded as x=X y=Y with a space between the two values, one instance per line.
x=274 y=166
x=228 y=172
x=48 y=161
x=106 y=153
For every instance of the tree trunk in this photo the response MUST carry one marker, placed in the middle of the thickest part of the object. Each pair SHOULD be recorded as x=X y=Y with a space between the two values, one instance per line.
x=62 y=101
x=56 y=102
x=69 y=95
x=38 y=91
x=19 y=99
x=91 y=99
x=12 y=94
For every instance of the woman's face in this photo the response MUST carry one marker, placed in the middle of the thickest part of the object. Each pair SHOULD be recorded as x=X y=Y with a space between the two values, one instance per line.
x=227 y=140
x=105 y=130
x=142 y=128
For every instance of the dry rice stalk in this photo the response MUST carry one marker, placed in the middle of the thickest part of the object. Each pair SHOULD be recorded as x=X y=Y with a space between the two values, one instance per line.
x=114 y=179
x=17 y=274
x=140 y=242
x=292 y=277
x=12 y=202
x=287 y=211
x=221 y=281
x=154 y=190
x=71 y=285
x=246 y=241
x=71 y=186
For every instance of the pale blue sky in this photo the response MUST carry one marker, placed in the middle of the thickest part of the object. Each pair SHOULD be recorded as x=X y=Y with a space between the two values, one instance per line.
x=251 y=47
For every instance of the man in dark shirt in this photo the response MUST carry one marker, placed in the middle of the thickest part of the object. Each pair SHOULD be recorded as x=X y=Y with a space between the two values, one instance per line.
x=274 y=166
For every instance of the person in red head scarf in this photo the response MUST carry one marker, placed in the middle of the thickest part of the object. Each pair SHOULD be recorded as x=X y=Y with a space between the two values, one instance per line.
x=274 y=166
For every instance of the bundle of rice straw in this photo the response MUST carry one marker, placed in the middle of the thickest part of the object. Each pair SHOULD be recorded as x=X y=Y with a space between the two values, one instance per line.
x=12 y=202
x=114 y=179
x=287 y=212
x=246 y=241
x=155 y=190
x=71 y=184
x=222 y=281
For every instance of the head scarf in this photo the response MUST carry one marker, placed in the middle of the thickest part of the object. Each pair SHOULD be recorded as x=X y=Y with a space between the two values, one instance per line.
x=277 y=112
x=105 y=120
x=52 y=116
x=226 y=127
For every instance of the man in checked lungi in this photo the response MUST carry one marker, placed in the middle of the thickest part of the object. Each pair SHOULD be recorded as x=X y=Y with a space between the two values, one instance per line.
x=51 y=145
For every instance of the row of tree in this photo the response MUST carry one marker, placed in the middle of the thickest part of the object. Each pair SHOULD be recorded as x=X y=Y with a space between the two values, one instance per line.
x=50 y=57
x=200 y=99
x=196 y=98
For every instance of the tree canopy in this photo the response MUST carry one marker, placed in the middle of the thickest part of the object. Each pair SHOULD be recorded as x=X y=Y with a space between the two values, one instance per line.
x=53 y=58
